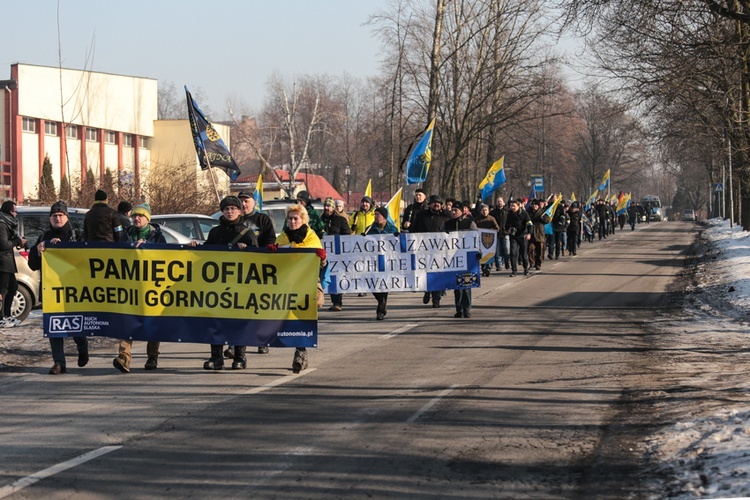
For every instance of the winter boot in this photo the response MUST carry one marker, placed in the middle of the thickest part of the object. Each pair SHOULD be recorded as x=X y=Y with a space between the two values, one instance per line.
x=216 y=362
x=240 y=361
x=300 y=360
x=151 y=363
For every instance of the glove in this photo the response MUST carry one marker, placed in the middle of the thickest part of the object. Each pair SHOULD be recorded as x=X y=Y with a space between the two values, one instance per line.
x=321 y=252
x=273 y=247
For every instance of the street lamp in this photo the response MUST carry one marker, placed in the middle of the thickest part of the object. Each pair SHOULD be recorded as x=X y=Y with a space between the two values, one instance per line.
x=347 y=172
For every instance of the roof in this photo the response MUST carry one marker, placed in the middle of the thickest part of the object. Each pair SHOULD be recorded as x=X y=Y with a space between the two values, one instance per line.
x=317 y=185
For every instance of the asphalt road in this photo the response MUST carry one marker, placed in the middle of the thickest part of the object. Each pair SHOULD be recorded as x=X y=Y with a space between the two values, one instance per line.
x=527 y=399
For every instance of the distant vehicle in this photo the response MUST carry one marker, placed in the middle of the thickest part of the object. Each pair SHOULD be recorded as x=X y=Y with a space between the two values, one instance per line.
x=654 y=209
x=193 y=226
x=276 y=210
x=689 y=215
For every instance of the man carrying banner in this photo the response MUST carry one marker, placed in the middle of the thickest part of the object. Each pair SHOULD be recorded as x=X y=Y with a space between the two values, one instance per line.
x=461 y=222
x=382 y=226
x=230 y=231
x=431 y=221
x=297 y=234
x=59 y=230
x=140 y=232
x=502 y=251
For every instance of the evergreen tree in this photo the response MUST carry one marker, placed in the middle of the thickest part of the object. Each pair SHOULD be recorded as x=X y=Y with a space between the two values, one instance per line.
x=65 y=191
x=46 y=183
x=88 y=189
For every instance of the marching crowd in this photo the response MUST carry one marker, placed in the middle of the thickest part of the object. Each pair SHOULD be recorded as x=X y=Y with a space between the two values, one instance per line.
x=527 y=230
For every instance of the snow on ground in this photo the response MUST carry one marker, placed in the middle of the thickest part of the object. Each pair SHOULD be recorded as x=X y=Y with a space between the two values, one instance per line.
x=705 y=451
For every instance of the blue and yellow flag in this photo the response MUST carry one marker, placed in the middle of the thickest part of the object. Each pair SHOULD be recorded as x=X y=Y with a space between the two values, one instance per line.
x=394 y=209
x=553 y=207
x=421 y=157
x=211 y=150
x=493 y=180
x=623 y=204
x=591 y=199
x=605 y=181
x=258 y=193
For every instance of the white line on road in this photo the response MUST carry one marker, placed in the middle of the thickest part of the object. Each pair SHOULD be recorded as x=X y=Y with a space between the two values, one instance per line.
x=277 y=382
x=430 y=404
x=397 y=331
x=51 y=471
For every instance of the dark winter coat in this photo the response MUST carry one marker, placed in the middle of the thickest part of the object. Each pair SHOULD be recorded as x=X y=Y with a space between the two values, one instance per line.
x=262 y=226
x=500 y=215
x=155 y=234
x=560 y=220
x=428 y=221
x=517 y=224
x=102 y=224
x=9 y=239
x=226 y=232
x=488 y=222
x=574 y=218
x=410 y=212
x=65 y=233
x=539 y=219
x=463 y=223
x=335 y=224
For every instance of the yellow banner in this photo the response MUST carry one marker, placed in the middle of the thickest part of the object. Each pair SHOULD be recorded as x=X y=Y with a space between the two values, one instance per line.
x=195 y=283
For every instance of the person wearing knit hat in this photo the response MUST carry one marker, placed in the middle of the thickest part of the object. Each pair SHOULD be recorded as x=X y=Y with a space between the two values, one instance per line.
x=9 y=238
x=139 y=234
x=364 y=217
x=102 y=223
x=59 y=230
x=381 y=225
x=144 y=209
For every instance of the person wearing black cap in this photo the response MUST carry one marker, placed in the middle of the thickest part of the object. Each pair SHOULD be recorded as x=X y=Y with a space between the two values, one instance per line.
x=230 y=231
x=262 y=225
x=461 y=222
x=9 y=239
x=518 y=227
x=431 y=221
x=382 y=225
x=364 y=217
x=410 y=212
x=59 y=230
x=123 y=213
x=101 y=223
x=574 y=227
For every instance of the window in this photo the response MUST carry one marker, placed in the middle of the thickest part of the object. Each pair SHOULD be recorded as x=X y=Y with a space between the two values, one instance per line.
x=110 y=137
x=71 y=131
x=50 y=128
x=29 y=124
x=144 y=142
x=127 y=140
x=91 y=134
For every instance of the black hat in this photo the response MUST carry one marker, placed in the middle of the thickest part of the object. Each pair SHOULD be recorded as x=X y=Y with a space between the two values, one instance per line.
x=100 y=195
x=245 y=194
x=304 y=196
x=534 y=202
x=59 y=207
x=419 y=190
x=230 y=201
x=124 y=207
x=435 y=199
x=382 y=211
x=457 y=205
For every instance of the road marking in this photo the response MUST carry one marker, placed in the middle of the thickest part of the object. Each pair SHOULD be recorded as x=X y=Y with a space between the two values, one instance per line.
x=51 y=471
x=278 y=382
x=398 y=331
x=430 y=404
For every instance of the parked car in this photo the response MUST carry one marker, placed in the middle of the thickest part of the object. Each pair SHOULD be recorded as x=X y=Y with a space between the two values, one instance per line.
x=194 y=226
x=689 y=215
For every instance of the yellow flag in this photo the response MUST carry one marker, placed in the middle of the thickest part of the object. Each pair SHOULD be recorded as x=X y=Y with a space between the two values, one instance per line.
x=368 y=189
x=394 y=209
x=573 y=196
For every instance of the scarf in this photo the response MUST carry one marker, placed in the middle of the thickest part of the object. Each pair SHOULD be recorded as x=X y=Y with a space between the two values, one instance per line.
x=297 y=235
x=65 y=233
x=8 y=219
x=139 y=234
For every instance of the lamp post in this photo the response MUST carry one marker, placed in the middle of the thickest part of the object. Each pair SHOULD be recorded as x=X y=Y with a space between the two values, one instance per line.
x=347 y=172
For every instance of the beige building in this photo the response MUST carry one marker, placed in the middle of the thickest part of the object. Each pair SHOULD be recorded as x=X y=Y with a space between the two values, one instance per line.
x=86 y=120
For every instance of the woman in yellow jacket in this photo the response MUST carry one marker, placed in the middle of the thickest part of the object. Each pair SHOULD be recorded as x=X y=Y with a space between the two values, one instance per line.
x=297 y=234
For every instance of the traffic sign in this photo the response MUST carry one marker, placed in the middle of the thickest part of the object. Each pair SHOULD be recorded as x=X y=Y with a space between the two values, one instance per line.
x=718 y=187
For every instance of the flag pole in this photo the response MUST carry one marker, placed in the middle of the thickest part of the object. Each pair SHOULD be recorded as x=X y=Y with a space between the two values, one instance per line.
x=211 y=175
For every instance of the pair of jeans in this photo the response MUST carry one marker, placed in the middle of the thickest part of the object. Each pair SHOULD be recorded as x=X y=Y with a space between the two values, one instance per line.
x=57 y=346
x=462 y=299
x=518 y=249
x=502 y=251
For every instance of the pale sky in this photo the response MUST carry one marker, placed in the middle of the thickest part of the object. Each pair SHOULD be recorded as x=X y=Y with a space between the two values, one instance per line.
x=229 y=48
